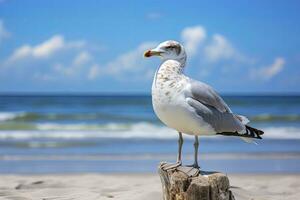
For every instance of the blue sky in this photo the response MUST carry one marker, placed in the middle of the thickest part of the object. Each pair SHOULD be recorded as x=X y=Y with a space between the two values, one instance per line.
x=97 y=46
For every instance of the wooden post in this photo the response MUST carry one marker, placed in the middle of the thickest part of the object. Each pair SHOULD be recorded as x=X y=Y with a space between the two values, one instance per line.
x=177 y=185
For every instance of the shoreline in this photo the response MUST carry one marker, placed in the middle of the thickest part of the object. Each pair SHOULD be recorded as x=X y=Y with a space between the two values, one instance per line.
x=135 y=186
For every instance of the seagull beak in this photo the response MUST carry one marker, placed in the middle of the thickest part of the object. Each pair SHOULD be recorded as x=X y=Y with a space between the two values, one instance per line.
x=150 y=53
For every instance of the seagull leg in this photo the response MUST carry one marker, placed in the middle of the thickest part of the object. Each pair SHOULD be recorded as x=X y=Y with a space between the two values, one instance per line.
x=180 y=143
x=196 y=145
x=192 y=170
x=178 y=163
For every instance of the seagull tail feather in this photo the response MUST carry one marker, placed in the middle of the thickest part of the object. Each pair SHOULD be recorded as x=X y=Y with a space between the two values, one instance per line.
x=250 y=133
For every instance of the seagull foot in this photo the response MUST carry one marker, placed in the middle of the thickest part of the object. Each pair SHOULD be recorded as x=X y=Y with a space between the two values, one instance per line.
x=191 y=171
x=168 y=166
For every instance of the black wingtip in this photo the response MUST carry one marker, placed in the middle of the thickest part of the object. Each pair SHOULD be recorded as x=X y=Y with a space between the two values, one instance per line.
x=250 y=133
x=256 y=133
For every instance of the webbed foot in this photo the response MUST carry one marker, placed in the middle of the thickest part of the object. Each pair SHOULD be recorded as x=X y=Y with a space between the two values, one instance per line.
x=191 y=171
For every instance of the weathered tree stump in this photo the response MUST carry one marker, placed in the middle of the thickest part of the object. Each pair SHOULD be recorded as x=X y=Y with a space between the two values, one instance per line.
x=177 y=185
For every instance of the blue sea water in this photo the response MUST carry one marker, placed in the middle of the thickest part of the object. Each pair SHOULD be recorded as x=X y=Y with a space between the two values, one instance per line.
x=77 y=133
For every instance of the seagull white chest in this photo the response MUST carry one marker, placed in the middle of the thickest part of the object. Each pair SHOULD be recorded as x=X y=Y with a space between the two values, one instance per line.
x=169 y=103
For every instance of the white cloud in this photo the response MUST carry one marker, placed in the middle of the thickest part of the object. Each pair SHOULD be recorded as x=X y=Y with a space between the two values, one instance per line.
x=78 y=60
x=275 y=68
x=20 y=52
x=3 y=32
x=129 y=61
x=211 y=49
x=82 y=64
x=75 y=59
x=93 y=72
x=61 y=59
x=44 y=49
x=127 y=64
x=270 y=71
x=48 y=47
x=75 y=68
x=82 y=58
x=220 y=49
x=64 y=70
x=192 y=37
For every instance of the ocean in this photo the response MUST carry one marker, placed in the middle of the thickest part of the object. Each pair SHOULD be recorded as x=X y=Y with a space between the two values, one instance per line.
x=120 y=133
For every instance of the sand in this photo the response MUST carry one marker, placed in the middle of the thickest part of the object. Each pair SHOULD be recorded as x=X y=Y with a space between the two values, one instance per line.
x=135 y=187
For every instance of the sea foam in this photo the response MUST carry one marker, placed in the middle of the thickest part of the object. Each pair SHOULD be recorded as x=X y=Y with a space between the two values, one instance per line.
x=115 y=130
x=5 y=116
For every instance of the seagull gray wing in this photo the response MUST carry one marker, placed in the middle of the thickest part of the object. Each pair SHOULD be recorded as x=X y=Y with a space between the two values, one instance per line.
x=207 y=95
x=212 y=108
x=219 y=121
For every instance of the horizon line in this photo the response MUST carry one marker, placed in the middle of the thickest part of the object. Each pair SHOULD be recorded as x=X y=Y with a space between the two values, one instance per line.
x=62 y=93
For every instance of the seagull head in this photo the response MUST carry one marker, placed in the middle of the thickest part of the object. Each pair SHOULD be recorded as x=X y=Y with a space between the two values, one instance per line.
x=168 y=50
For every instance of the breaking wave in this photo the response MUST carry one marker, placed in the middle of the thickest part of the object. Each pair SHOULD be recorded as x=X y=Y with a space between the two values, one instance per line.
x=6 y=116
x=274 y=118
x=33 y=117
x=56 y=117
x=115 y=130
x=77 y=131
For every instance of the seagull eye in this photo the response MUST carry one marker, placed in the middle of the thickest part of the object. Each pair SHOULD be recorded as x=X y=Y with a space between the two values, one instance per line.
x=169 y=47
x=174 y=47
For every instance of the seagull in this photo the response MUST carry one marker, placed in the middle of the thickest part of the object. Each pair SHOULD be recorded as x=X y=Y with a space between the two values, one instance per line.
x=189 y=106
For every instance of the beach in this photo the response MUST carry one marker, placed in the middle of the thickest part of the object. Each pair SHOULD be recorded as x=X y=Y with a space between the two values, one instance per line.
x=136 y=186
